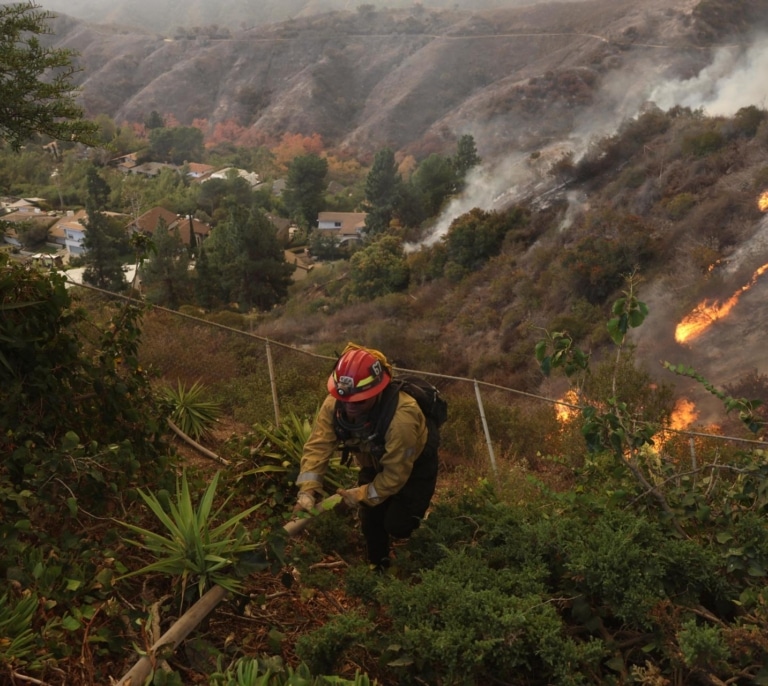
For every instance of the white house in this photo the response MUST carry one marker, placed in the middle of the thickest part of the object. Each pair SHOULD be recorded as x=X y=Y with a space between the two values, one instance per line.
x=345 y=227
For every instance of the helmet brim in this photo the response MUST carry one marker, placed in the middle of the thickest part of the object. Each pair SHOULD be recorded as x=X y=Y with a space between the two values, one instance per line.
x=361 y=395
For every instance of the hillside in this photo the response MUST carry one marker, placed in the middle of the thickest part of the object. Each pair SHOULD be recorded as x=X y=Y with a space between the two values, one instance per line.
x=168 y=17
x=413 y=79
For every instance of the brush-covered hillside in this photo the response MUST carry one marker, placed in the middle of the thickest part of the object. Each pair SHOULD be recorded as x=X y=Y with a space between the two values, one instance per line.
x=415 y=78
x=675 y=198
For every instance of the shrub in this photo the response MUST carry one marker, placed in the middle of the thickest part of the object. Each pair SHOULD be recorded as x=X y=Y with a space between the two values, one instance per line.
x=678 y=206
x=323 y=648
x=702 y=144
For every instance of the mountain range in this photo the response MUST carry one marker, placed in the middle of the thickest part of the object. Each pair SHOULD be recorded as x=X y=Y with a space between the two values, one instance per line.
x=414 y=79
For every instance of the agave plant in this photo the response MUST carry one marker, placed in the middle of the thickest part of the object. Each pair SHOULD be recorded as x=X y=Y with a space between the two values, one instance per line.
x=189 y=410
x=193 y=548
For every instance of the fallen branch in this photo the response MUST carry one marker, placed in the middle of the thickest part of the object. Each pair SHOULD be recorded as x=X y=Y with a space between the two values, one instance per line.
x=164 y=646
x=195 y=444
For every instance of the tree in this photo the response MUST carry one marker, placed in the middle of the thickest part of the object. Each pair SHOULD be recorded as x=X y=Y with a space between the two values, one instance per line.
x=176 y=145
x=381 y=191
x=243 y=263
x=106 y=244
x=305 y=187
x=466 y=158
x=154 y=120
x=98 y=188
x=166 y=274
x=378 y=269
x=478 y=235
x=435 y=180
x=36 y=90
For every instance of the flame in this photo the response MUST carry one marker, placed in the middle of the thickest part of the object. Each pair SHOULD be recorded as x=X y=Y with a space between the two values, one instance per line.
x=762 y=202
x=708 y=312
x=684 y=414
x=564 y=411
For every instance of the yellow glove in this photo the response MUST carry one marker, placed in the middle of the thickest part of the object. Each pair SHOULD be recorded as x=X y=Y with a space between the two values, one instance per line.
x=352 y=497
x=305 y=502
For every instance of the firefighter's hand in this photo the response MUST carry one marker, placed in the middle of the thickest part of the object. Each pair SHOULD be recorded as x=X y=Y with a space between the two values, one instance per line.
x=305 y=502
x=352 y=497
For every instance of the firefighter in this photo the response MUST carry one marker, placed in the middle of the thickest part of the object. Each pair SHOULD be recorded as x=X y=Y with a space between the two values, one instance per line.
x=394 y=448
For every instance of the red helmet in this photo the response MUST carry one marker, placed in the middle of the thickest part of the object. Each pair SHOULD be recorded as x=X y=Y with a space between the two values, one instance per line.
x=358 y=375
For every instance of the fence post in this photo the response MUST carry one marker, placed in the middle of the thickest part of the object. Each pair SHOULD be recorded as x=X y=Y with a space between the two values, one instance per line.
x=491 y=454
x=273 y=384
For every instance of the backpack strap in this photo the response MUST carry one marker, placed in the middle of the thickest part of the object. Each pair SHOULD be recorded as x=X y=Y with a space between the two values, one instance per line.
x=386 y=411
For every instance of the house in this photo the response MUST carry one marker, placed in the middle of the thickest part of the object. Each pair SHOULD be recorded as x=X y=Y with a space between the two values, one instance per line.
x=252 y=178
x=23 y=214
x=25 y=206
x=345 y=227
x=149 y=221
x=70 y=230
x=152 y=169
x=124 y=163
x=197 y=170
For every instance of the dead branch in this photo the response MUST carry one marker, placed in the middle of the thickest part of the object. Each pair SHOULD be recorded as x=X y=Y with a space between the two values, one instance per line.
x=168 y=642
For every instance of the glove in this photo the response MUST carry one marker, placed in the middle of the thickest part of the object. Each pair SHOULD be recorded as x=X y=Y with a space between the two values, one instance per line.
x=352 y=497
x=305 y=502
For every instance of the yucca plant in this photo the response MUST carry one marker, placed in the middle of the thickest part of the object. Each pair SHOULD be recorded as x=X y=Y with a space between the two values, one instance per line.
x=282 y=447
x=270 y=671
x=189 y=410
x=193 y=547
x=17 y=640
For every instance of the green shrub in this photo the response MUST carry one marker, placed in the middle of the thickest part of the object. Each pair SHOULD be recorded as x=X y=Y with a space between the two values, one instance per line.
x=702 y=144
x=678 y=206
x=323 y=648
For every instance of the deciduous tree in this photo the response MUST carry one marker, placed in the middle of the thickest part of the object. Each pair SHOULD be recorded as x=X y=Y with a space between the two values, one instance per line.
x=378 y=269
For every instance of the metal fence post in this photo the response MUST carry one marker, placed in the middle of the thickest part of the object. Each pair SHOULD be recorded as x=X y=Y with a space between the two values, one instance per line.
x=491 y=454
x=273 y=384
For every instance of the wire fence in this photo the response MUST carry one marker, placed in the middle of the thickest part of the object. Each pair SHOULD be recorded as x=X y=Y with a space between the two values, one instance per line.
x=258 y=380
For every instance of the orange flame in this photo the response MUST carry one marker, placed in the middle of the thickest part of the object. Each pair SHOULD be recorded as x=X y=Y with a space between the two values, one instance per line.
x=762 y=202
x=684 y=414
x=708 y=312
x=564 y=411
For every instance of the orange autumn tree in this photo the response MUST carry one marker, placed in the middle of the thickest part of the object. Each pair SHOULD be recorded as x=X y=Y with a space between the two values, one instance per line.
x=292 y=145
x=227 y=131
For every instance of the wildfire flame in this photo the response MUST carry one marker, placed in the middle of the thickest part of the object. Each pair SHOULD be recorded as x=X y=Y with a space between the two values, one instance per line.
x=684 y=414
x=762 y=202
x=564 y=411
x=708 y=312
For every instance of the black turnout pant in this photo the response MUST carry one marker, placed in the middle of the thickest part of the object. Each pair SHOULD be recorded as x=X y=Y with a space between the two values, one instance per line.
x=400 y=514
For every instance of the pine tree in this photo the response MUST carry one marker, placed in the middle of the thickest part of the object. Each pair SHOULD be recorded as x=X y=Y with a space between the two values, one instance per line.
x=466 y=158
x=106 y=245
x=245 y=262
x=31 y=103
x=305 y=187
x=382 y=188
x=166 y=276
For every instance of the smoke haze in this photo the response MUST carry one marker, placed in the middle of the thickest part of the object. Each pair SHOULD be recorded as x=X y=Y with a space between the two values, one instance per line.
x=736 y=78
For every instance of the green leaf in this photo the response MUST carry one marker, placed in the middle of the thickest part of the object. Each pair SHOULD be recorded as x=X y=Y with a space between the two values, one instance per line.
x=70 y=623
x=73 y=584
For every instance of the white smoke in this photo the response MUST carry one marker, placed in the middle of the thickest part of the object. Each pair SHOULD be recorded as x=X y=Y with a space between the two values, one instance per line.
x=735 y=79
